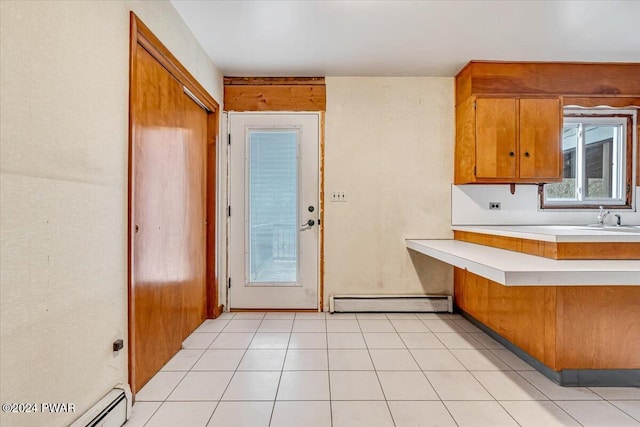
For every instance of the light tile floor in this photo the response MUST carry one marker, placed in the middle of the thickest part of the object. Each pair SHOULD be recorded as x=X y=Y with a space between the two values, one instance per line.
x=370 y=370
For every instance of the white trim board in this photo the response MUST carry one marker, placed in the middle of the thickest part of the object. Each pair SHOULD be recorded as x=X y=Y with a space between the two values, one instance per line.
x=517 y=269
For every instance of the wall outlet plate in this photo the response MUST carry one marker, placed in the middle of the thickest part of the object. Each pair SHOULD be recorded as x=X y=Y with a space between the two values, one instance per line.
x=338 y=196
x=494 y=206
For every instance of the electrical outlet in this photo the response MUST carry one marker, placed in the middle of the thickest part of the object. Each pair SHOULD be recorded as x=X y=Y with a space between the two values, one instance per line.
x=338 y=196
x=494 y=206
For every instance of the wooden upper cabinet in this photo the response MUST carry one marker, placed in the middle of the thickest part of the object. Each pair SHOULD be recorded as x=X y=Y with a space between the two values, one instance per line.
x=514 y=140
x=495 y=138
x=509 y=115
x=540 y=145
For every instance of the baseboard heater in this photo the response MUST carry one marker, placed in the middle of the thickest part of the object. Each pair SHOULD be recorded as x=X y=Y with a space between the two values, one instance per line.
x=391 y=303
x=113 y=410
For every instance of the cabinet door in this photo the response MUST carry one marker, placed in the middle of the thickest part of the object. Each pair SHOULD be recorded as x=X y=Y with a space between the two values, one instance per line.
x=495 y=138
x=540 y=123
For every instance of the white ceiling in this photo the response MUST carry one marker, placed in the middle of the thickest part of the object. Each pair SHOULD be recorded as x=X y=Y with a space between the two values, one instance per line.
x=406 y=38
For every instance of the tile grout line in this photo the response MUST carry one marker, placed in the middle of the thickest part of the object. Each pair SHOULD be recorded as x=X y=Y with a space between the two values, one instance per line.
x=286 y=352
x=326 y=327
x=236 y=370
x=188 y=371
x=527 y=381
x=623 y=411
x=185 y=375
x=376 y=370
x=562 y=409
x=421 y=370
x=549 y=397
x=597 y=397
x=532 y=385
x=154 y=412
x=482 y=385
x=225 y=389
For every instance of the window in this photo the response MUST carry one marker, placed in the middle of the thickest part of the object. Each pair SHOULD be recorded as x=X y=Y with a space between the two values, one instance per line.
x=597 y=150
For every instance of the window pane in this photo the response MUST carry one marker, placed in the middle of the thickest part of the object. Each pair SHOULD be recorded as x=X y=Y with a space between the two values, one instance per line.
x=273 y=207
x=566 y=190
x=598 y=163
x=596 y=146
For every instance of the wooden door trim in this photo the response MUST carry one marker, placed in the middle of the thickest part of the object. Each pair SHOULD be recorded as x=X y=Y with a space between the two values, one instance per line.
x=140 y=36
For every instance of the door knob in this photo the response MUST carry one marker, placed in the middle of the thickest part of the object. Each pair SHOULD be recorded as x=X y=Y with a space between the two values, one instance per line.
x=311 y=208
x=309 y=223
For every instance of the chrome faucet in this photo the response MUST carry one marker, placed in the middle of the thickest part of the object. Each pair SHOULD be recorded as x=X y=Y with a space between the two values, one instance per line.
x=602 y=215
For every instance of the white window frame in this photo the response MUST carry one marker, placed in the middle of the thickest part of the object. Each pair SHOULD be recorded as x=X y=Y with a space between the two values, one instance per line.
x=581 y=117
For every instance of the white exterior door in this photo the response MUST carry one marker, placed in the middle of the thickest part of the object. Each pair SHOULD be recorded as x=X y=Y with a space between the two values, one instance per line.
x=274 y=210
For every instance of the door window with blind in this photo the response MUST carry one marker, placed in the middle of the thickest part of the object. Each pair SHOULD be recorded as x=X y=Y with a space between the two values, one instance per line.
x=272 y=197
x=274 y=211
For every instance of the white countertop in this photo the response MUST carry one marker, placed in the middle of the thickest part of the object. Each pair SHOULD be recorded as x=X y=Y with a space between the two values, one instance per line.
x=557 y=233
x=517 y=269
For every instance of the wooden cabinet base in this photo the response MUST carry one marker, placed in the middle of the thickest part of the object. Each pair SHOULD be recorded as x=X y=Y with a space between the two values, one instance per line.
x=554 y=250
x=567 y=377
x=563 y=327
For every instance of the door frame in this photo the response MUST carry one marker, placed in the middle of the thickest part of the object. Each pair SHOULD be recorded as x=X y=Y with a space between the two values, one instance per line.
x=141 y=37
x=321 y=201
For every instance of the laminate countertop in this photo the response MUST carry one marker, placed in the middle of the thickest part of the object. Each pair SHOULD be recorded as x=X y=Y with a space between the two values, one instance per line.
x=518 y=269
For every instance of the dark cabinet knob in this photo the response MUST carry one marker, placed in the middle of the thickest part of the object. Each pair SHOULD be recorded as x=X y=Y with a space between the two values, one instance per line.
x=511 y=154
x=526 y=154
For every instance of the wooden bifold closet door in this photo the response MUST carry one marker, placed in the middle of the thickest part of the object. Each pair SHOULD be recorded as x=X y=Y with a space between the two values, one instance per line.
x=170 y=166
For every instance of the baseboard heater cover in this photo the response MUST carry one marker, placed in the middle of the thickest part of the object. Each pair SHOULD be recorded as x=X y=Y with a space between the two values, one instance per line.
x=113 y=410
x=391 y=303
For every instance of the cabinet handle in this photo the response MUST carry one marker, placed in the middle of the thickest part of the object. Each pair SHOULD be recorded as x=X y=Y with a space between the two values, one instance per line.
x=511 y=154
x=526 y=154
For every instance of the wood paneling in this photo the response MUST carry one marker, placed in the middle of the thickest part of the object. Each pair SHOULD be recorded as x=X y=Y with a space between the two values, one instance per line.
x=189 y=198
x=509 y=311
x=561 y=250
x=508 y=140
x=564 y=327
x=540 y=149
x=142 y=35
x=214 y=307
x=531 y=247
x=496 y=138
x=548 y=78
x=171 y=174
x=552 y=318
x=168 y=217
x=275 y=97
x=583 y=84
x=512 y=313
x=277 y=81
x=465 y=150
x=621 y=250
x=600 y=328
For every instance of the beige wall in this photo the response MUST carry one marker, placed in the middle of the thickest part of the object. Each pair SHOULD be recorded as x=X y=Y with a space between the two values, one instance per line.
x=64 y=126
x=389 y=146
